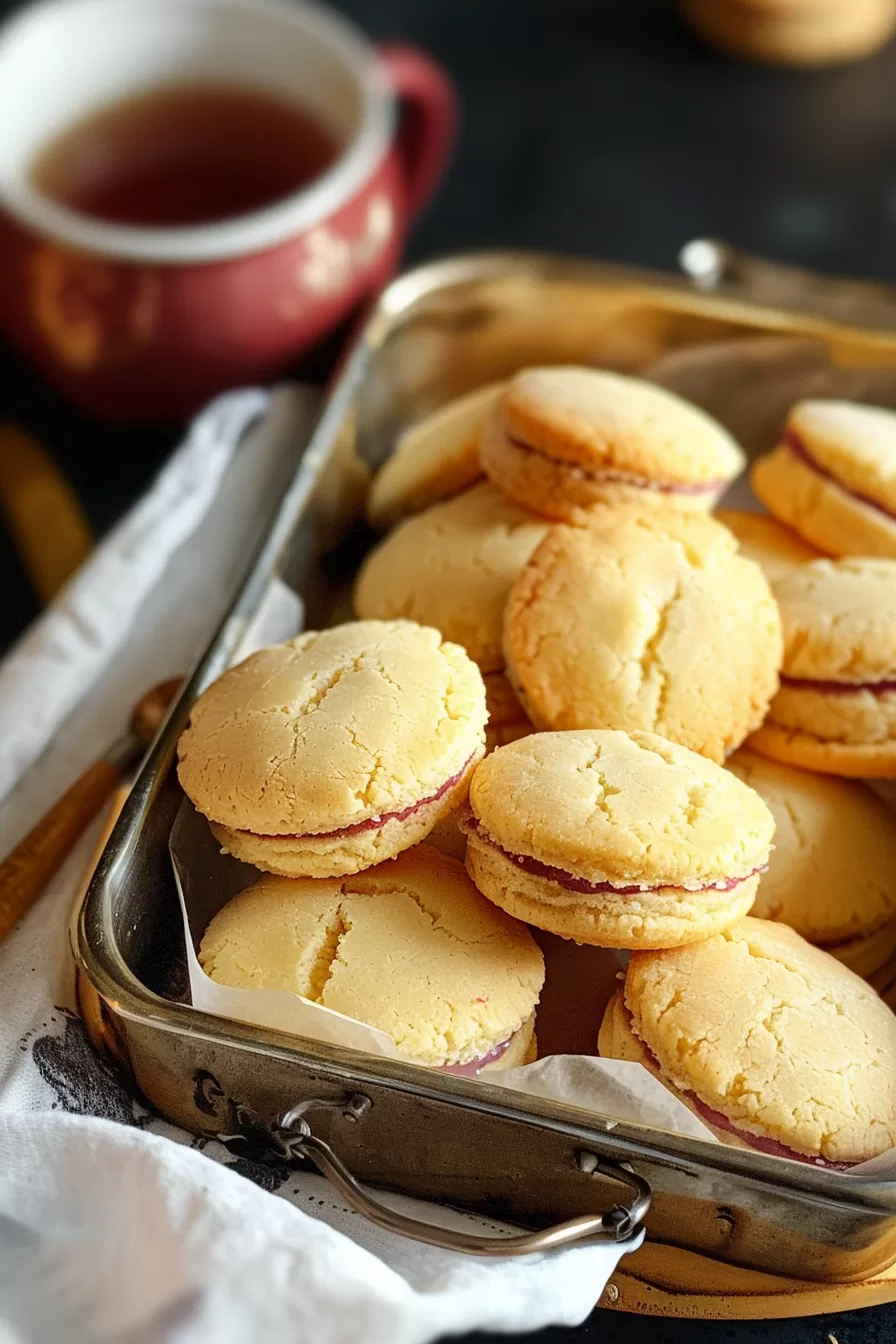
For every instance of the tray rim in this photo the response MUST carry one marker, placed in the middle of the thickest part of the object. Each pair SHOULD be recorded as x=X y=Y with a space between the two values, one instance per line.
x=93 y=944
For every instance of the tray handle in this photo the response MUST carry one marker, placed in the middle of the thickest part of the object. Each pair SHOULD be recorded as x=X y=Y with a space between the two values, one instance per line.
x=620 y=1223
x=714 y=264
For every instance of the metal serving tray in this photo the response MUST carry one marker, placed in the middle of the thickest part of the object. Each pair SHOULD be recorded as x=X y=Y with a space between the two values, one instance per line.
x=435 y=333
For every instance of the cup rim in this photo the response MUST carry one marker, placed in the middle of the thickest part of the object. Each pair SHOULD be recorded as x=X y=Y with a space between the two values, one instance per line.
x=258 y=230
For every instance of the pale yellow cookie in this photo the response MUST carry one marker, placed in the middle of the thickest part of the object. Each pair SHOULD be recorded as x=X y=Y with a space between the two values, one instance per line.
x=452 y=567
x=409 y=947
x=794 y=32
x=563 y=441
x=772 y=1042
x=645 y=621
x=765 y=541
x=836 y=708
x=434 y=459
x=832 y=477
x=615 y=839
x=832 y=873
x=336 y=750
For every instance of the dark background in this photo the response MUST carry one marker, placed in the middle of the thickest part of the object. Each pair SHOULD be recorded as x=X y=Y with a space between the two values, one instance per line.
x=596 y=127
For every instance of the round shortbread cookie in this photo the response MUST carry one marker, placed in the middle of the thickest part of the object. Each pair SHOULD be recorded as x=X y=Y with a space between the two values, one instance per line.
x=409 y=947
x=833 y=477
x=645 y=622
x=832 y=872
x=838 y=683
x=436 y=458
x=563 y=441
x=615 y=839
x=826 y=32
x=336 y=750
x=452 y=567
x=765 y=541
x=773 y=1042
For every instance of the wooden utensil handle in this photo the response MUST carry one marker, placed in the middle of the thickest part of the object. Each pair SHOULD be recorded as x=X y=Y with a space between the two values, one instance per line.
x=25 y=872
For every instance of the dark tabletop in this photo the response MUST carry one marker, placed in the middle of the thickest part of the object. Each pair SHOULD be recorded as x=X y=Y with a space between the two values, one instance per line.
x=596 y=127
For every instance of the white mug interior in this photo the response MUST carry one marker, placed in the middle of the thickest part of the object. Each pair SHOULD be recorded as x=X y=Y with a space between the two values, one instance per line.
x=62 y=59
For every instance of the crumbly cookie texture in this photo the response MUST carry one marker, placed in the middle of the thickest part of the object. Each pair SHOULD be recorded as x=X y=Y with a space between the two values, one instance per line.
x=832 y=871
x=631 y=810
x=409 y=947
x=821 y=511
x=839 y=620
x=452 y=566
x=855 y=443
x=436 y=458
x=645 y=622
x=620 y=807
x=591 y=417
x=334 y=728
x=565 y=440
x=333 y=854
x=773 y=1034
x=765 y=541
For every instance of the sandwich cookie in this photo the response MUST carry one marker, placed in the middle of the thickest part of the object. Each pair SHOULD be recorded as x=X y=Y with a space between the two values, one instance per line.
x=616 y=839
x=409 y=947
x=564 y=440
x=832 y=873
x=833 y=477
x=765 y=541
x=336 y=750
x=773 y=1043
x=649 y=621
x=434 y=459
x=452 y=567
x=836 y=709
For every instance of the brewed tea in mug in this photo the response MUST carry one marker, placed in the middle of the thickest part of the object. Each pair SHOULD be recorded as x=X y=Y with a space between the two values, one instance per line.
x=182 y=155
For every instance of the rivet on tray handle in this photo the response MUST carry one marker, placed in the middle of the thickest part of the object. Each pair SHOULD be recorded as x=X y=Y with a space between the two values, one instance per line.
x=712 y=263
x=618 y=1224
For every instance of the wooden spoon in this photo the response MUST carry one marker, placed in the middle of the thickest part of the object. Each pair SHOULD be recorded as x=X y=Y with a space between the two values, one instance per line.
x=28 y=868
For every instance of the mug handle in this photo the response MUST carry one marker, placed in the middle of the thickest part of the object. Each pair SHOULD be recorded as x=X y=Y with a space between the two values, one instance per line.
x=428 y=123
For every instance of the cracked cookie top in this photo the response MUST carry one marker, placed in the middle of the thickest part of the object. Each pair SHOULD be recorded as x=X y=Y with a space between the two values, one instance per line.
x=645 y=621
x=775 y=1035
x=622 y=808
x=592 y=418
x=410 y=947
x=452 y=567
x=839 y=620
x=333 y=728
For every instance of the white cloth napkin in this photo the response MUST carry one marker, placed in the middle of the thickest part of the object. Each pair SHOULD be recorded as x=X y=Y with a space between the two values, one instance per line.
x=114 y=1226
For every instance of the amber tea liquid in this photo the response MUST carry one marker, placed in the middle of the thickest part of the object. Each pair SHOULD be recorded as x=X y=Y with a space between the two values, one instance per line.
x=184 y=155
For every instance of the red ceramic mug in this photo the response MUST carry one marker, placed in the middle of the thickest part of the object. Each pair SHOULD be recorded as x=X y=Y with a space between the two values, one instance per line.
x=146 y=323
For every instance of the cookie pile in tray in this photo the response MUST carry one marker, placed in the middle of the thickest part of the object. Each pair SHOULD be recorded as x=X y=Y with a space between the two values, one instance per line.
x=576 y=700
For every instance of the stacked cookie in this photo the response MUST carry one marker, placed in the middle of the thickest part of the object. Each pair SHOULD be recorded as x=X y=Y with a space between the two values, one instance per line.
x=558 y=650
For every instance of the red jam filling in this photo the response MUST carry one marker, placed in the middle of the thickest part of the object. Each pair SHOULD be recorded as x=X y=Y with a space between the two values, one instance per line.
x=374 y=823
x=838 y=687
x=796 y=446
x=475 y=1065
x=623 y=477
x=720 y=1121
x=570 y=882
